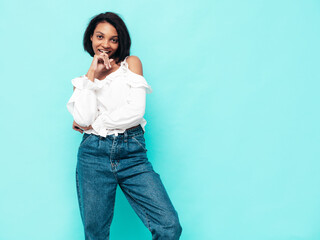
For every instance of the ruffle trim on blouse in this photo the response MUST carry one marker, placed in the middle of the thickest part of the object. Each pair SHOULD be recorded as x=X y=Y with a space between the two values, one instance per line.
x=70 y=104
x=133 y=79
x=84 y=82
x=136 y=81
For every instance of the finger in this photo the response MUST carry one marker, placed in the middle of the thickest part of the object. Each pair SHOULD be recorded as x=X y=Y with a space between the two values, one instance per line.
x=100 y=58
x=104 y=58
x=106 y=63
x=107 y=60
x=77 y=126
x=95 y=61
x=83 y=128
x=74 y=126
x=111 y=60
x=78 y=129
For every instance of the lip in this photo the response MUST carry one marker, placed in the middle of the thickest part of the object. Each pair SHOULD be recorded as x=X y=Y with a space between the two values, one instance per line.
x=104 y=51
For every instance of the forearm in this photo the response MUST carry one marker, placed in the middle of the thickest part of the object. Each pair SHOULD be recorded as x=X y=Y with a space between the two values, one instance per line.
x=121 y=119
x=85 y=108
x=90 y=75
x=83 y=102
x=126 y=116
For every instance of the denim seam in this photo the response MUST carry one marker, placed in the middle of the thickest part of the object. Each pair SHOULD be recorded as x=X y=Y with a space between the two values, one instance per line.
x=139 y=144
x=112 y=152
x=135 y=134
x=109 y=225
x=143 y=209
x=79 y=196
x=85 y=140
x=111 y=161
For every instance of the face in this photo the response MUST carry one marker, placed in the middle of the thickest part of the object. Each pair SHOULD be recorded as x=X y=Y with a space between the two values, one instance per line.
x=105 y=39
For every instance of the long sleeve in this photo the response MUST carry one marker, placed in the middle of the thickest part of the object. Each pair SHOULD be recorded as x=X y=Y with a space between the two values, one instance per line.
x=131 y=113
x=83 y=102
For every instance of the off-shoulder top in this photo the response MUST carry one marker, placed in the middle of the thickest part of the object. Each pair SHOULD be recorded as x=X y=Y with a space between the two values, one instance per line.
x=110 y=105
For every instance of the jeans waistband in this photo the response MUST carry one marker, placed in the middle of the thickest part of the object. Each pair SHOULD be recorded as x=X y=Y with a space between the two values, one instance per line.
x=130 y=132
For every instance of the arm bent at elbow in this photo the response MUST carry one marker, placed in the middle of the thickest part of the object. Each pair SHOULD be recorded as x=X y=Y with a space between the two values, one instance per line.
x=83 y=107
x=129 y=115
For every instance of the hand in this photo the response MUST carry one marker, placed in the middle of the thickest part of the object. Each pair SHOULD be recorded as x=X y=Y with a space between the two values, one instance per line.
x=77 y=127
x=104 y=59
x=100 y=63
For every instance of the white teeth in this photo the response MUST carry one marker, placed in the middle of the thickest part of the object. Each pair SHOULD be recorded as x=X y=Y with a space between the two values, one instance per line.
x=103 y=51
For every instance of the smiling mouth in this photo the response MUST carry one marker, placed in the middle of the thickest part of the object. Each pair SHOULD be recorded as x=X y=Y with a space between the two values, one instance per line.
x=102 y=51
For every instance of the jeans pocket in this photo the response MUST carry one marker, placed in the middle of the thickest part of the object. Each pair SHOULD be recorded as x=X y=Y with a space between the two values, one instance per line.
x=140 y=141
x=85 y=139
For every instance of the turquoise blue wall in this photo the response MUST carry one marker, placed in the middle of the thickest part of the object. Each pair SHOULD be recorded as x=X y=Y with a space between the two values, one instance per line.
x=233 y=122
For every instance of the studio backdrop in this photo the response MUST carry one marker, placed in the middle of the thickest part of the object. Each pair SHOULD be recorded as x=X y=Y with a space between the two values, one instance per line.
x=232 y=123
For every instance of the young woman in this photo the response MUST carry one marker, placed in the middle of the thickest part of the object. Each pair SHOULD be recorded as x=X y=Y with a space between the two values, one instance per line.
x=108 y=105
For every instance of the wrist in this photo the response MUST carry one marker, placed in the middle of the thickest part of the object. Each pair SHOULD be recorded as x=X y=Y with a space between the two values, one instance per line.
x=90 y=75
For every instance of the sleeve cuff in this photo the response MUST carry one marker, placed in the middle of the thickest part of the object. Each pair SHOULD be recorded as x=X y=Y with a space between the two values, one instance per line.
x=97 y=125
x=84 y=82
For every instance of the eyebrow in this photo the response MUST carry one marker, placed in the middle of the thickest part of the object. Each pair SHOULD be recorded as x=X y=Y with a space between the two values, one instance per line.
x=103 y=34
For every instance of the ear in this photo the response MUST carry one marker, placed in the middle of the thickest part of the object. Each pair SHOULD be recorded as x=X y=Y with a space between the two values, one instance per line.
x=91 y=38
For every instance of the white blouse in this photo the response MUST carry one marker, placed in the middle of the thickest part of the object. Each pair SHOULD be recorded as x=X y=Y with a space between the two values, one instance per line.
x=111 y=105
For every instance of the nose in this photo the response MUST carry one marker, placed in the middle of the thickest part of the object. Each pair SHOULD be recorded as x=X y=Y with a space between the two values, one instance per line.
x=106 y=44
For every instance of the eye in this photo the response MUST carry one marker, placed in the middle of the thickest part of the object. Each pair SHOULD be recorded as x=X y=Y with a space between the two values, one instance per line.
x=99 y=37
x=114 y=40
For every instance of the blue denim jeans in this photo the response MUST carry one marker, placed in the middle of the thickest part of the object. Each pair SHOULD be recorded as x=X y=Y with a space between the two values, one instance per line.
x=103 y=163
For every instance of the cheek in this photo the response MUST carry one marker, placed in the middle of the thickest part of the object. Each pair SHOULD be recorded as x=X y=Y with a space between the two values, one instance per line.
x=115 y=46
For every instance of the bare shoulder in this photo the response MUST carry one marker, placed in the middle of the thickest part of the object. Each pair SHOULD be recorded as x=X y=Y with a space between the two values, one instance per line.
x=135 y=65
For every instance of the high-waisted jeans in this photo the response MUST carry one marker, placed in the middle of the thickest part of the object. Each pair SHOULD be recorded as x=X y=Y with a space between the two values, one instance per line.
x=103 y=163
